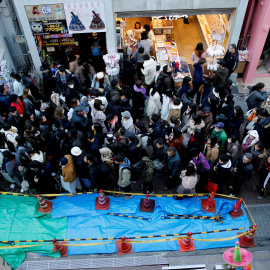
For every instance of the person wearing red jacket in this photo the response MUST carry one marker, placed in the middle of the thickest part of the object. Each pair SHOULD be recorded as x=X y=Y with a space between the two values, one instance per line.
x=17 y=103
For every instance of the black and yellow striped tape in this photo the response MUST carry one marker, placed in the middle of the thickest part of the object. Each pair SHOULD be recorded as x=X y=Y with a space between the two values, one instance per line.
x=132 y=237
x=120 y=215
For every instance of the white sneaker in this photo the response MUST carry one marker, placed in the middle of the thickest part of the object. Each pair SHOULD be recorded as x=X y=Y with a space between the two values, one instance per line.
x=232 y=195
x=148 y=192
x=231 y=187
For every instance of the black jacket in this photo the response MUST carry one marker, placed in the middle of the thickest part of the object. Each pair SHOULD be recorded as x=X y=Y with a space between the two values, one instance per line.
x=244 y=170
x=60 y=86
x=231 y=60
x=82 y=167
x=114 y=109
x=160 y=153
x=80 y=122
x=132 y=151
x=94 y=173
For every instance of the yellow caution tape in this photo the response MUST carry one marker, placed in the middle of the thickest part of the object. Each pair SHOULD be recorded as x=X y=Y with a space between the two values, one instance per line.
x=23 y=246
x=87 y=244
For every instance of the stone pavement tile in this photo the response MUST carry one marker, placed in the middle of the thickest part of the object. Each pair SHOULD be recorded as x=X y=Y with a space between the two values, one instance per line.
x=215 y=258
x=261 y=255
x=260 y=265
x=194 y=260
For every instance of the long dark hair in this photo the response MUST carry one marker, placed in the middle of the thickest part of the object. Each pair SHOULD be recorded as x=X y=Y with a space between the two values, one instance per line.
x=155 y=89
x=137 y=23
x=258 y=86
x=213 y=139
x=191 y=170
x=197 y=119
x=199 y=49
x=177 y=133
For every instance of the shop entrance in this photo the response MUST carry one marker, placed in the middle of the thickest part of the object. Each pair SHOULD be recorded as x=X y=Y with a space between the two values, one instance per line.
x=55 y=47
x=181 y=33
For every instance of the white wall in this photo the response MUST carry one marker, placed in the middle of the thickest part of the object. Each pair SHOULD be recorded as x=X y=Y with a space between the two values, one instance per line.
x=114 y=6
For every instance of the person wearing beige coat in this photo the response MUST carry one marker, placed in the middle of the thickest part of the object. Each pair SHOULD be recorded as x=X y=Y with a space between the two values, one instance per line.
x=69 y=178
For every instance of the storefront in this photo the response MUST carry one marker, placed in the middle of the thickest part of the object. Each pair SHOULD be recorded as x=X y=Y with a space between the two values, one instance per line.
x=256 y=27
x=207 y=19
x=176 y=36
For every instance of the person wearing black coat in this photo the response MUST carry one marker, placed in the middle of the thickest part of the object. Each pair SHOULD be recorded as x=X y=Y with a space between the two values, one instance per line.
x=48 y=80
x=14 y=119
x=155 y=127
x=127 y=76
x=231 y=59
x=81 y=166
x=132 y=151
x=235 y=121
x=243 y=169
x=227 y=106
x=111 y=124
x=221 y=171
x=160 y=150
x=114 y=106
x=71 y=92
x=80 y=120
x=40 y=178
x=185 y=86
x=93 y=170
x=264 y=174
x=65 y=74
x=28 y=82
x=4 y=99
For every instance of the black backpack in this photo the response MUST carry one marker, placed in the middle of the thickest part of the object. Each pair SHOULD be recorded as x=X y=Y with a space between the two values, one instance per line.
x=160 y=81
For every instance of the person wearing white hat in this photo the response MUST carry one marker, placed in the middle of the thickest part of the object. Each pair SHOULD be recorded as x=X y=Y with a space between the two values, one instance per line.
x=251 y=139
x=127 y=121
x=81 y=167
x=100 y=80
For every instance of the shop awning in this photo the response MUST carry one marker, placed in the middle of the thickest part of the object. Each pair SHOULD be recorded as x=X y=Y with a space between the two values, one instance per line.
x=167 y=13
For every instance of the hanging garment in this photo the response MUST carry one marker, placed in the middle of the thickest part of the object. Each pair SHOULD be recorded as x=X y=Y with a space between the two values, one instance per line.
x=75 y=24
x=96 y=23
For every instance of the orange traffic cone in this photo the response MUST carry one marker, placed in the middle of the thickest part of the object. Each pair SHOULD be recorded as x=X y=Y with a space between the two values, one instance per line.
x=45 y=206
x=209 y=205
x=237 y=211
x=247 y=240
x=147 y=205
x=186 y=244
x=62 y=249
x=123 y=247
x=102 y=202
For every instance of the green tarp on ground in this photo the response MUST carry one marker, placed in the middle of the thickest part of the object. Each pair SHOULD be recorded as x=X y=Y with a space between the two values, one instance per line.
x=19 y=220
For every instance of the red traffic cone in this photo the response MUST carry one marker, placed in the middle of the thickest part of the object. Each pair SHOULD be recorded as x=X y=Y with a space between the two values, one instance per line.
x=209 y=205
x=45 y=206
x=147 y=205
x=186 y=244
x=247 y=240
x=62 y=249
x=123 y=247
x=102 y=202
x=237 y=211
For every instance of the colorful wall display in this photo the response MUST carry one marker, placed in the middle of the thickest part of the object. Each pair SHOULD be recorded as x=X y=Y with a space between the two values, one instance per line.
x=45 y=12
x=85 y=17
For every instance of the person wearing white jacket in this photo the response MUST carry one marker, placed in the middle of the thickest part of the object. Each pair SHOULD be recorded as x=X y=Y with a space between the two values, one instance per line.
x=149 y=70
x=154 y=104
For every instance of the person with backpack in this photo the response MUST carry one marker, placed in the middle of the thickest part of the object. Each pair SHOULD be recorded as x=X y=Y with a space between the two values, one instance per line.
x=165 y=79
x=124 y=172
x=147 y=168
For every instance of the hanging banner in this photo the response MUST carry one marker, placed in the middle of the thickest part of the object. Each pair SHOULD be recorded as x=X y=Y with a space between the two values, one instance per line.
x=85 y=17
x=49 y=27
x=45 y=12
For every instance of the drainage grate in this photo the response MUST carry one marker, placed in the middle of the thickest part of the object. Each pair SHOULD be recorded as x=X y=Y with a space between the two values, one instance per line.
x=93 y=263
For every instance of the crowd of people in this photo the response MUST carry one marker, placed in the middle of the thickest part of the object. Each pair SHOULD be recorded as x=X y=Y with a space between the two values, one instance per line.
x=128 y=133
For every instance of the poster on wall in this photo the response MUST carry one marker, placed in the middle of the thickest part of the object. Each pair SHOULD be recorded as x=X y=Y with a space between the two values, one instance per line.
x=49 y=27
x=45 y=12
x=85 y=17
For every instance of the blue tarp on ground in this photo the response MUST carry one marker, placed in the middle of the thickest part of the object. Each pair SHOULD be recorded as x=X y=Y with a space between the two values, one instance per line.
x=86 y=222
